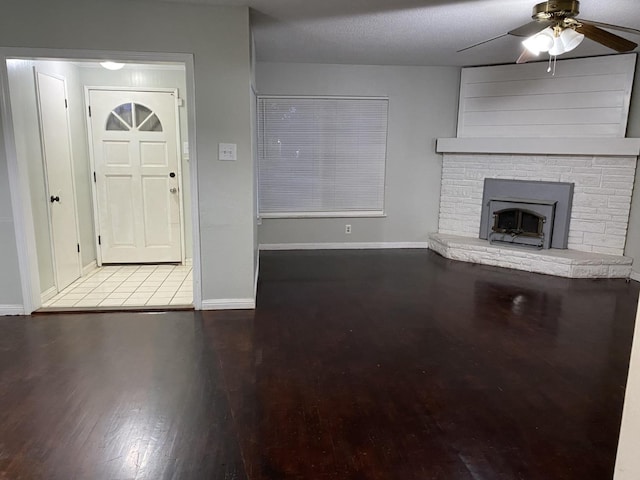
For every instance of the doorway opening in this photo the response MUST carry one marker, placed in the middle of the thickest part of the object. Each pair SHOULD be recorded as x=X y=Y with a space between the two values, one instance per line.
x=109 y=181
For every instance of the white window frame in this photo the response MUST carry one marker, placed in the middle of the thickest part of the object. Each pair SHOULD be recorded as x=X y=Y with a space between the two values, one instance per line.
x=325 y=214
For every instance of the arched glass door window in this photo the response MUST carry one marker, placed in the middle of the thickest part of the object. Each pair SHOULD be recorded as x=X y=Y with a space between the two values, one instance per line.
x=133 y=116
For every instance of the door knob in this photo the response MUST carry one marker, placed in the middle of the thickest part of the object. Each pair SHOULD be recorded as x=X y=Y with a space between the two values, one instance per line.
x=173 y=190
x=55 y=199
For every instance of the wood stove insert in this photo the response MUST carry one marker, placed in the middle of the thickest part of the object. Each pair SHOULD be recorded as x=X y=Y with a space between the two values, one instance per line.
x=521 y=221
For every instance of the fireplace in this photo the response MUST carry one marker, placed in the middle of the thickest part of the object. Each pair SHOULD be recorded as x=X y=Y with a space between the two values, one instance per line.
x=526 y=222
x=526 y=213
x=595 y=177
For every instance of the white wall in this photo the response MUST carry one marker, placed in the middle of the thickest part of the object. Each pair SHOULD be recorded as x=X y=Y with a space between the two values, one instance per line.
x=254 y=157
x=628 y=460
x=218 y=38
x=422 y=107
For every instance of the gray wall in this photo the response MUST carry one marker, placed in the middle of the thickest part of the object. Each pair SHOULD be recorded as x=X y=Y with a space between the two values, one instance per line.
x=150 y=77
x=218 y=38
x=422 y=107
x=632 y=248
x=254 y=155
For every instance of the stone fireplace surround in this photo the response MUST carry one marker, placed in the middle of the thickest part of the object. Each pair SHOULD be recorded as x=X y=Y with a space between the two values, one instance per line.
x=602 y=169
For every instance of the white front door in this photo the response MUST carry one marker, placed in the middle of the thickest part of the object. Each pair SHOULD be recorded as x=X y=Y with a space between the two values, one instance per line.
x=137 y=177
x=56 y=148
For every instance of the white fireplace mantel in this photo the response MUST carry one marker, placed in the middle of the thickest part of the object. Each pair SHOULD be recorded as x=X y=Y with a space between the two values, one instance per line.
x=604 y=147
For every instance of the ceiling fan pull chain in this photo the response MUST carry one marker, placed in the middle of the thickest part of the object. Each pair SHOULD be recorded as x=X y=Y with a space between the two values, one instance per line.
x=554 y=59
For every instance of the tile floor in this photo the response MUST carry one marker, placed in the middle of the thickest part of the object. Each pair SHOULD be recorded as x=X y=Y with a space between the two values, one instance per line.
x=128 y=286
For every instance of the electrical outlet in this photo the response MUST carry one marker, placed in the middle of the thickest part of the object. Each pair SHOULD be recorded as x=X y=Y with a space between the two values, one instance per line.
x=347 y=229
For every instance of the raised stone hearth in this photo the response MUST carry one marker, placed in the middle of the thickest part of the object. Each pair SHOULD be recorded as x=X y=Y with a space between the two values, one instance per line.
x=559 y=262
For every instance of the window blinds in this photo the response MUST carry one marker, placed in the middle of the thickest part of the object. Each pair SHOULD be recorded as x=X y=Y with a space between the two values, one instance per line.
x=321 y=156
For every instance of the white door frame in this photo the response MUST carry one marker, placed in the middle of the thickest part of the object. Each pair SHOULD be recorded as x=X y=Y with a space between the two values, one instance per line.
x=46 y=171
x=96 y=218
x=18 y=177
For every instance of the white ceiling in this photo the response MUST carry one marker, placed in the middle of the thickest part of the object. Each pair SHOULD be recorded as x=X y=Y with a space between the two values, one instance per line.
x=407 y=32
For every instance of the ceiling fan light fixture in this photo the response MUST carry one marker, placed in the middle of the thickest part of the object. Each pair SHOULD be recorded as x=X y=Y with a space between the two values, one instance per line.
x=540 y=42
x=571 y=39
x=558 y=47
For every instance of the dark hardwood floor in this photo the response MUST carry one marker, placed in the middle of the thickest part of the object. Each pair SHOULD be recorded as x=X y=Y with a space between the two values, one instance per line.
x=355 y=365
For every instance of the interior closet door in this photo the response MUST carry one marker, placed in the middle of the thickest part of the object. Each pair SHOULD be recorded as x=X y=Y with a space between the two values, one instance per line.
x=56 y=147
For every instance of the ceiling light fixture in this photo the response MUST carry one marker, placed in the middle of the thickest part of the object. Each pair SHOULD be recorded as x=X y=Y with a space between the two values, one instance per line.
x=561 y=18
x=555 y=40
x=571 y=39
x=112 y=65
x=540 y=42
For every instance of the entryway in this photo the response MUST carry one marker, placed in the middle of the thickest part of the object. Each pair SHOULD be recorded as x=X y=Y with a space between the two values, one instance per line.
x=127 y=172
x=116 y=286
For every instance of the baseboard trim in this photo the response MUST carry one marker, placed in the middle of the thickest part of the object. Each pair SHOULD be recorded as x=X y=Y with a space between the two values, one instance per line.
x=343 y=246
x=6 y=310
x=90 y=267
x=635 y=276
x=229 y=304
x=49 y=294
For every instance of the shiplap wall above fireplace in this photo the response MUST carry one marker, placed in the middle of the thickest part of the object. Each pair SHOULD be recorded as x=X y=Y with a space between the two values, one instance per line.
x=585 y=98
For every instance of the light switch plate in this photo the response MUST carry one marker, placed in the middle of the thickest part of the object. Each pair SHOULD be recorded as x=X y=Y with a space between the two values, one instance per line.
x=227 y=151
x=185 y=150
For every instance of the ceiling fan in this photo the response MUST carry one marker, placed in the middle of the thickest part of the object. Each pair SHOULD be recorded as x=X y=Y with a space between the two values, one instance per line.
x=556 y=29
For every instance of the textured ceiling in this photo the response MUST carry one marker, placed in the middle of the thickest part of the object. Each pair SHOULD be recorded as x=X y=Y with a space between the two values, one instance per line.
x=407 y=32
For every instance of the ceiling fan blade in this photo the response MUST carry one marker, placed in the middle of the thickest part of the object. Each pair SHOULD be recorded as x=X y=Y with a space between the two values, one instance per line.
x=610 y=26
x=526 y=56
x=482 y=43
x=530 y=28
x=607 y=39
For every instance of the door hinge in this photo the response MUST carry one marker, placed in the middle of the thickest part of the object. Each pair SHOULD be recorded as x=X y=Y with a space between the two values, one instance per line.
x=89 y=110
x=99 y=240
x=66 y=104
x=94 y=178
x=78 y=248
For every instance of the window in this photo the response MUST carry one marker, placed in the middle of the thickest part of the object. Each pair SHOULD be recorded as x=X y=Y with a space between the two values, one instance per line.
x=321 y=156
x=121 y=118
